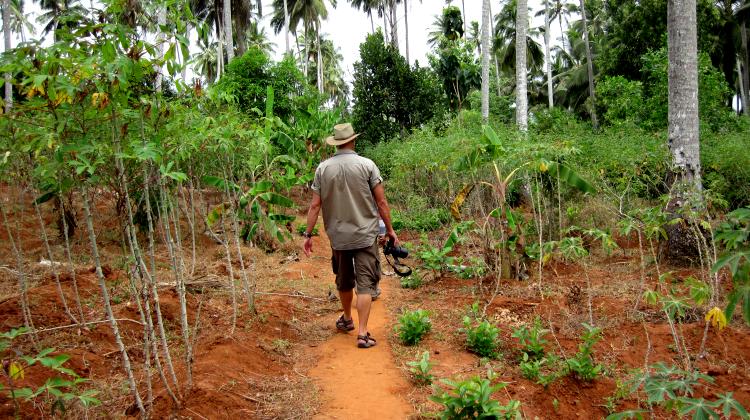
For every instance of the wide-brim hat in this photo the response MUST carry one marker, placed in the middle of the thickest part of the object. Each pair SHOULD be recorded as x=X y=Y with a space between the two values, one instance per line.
x=342 y=134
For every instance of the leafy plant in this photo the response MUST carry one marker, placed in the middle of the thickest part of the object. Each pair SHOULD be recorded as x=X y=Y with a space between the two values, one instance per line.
x=532 y=339
x=420 y=369
x=472 y=398
x=543 y=371
x=481 y=337
x=411 y=282
x=412 y=326
x=734 y=234
x=61 y=390
x=302 y=228
x=582 y=363
x=673 y=389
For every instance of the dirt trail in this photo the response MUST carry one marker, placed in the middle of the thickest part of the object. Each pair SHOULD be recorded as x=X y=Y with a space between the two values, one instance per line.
x=358 y=383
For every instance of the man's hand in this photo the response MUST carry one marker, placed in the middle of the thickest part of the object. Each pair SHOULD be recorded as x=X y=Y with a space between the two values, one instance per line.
x=307 y=246
x=392 y=234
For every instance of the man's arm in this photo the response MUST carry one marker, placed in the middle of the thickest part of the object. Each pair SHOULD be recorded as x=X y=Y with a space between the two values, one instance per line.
x=312 y=218
x=385 y=212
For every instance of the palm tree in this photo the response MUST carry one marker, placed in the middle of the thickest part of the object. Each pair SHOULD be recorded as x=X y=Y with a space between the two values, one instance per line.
x=474 y=36
x=6 y=38
x=227 y=25
x=522 y=23
x=66 y=13
x=257 y=38
x=366 y=6
x=504 y=42
x=547 y=57
x=205 y=62
x=590 y=66
x=683 y=136
x=485 y=60
x=449 y=24
x=19 y=24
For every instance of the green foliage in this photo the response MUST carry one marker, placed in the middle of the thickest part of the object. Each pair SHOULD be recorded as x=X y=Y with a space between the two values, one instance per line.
x=471 y=399
x=60 y=390
x=390 y=98
x=673 y=389
x=411 y=282
x=482 y=337
x=713 y=93
x=734 y=235
x=620 y=101
x=413 y=326
x=726 y=166
x=247 y=78
x=532 y=339
x=421 y=220
x=302 y=228
x=543 y=371
x=420 y=369
x=582 y=363
x=458 y=68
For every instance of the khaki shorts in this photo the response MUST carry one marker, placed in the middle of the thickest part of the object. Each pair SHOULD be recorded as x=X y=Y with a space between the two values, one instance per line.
x=357 y=267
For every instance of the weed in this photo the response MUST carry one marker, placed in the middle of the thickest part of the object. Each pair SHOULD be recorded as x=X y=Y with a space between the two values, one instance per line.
x=60 y=390
x=280 y=345
x=472 y=398
x=673 y=389
x=420 y=369
x=481 y=337
x=582 y=364
x=543 y=371
x=411 y=282
x=412 y=326
x=532 y=339
x=302 y=228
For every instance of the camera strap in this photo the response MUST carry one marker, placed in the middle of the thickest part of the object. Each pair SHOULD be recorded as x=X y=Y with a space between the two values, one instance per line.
x=401 y=269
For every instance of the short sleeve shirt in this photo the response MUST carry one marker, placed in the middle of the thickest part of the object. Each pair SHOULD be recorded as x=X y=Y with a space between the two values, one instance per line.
x=345 y=182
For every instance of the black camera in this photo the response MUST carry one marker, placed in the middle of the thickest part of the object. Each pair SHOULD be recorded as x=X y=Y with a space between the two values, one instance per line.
x=396 y=251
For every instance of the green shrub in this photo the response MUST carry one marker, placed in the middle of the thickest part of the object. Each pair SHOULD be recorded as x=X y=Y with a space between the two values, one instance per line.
x=412 y=326
x=420 y=369
x=421 y=220
x=481 y=337
x=619 y=100
x=726 y=166
x=411 y=282
x=582 y=363
x=532 y=339
x=472 y=399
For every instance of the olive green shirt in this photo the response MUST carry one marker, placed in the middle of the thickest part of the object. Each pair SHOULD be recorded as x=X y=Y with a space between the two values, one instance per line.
x=350 y=215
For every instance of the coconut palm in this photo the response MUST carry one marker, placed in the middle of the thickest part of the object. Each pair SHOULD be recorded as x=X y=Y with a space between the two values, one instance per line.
x=59 y=13
x=204 y=62
x=485 y=51
x=504 y=42
x=7 y=43
x=257 y=38
x=366 y=6
x=449 y=25
x=521 y=64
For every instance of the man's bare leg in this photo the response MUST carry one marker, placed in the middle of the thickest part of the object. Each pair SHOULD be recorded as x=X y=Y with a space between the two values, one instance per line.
x=346 y=302
x=364 y=302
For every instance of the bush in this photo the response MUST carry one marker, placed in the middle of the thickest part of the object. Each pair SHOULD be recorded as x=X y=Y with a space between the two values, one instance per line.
x=619 y=100
x=425 y=220
x=582 y=364
x=472 y=398
x=420 y=369
x=481 y=338
x=412 y=326
x=411 y=282
x=726 y=166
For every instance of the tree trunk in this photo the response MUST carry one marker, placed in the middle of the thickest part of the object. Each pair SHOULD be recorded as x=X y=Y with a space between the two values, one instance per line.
x=548 y=56
x=319 y=58
x=406 y=30
x=6 y=36
x=286 y=25
x=161 y=20
x=683 y=133
x=229 y=41
x=743 y=88
x=372 y=21
x=306 y=56
x=394 y=24
x=108 y=307
x=463 y=7
x=522 y=22
x=589 y=68
x=745 y=69
x=485 y=61
x=385 y=24
x=494 y=56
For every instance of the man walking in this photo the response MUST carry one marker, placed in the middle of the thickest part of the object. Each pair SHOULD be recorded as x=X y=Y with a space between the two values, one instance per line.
x=349 y=190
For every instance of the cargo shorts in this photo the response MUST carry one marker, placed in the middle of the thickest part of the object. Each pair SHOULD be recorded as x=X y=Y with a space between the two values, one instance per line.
x=357 y=267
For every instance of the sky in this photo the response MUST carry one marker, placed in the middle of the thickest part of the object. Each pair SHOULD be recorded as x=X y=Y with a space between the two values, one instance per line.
x=348 y=27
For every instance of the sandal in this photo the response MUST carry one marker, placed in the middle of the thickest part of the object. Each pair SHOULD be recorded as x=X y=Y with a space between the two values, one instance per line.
x=366 y=341
x=344 y=325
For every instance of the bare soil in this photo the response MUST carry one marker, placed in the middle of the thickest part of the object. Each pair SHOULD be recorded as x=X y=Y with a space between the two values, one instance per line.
x=287 y=361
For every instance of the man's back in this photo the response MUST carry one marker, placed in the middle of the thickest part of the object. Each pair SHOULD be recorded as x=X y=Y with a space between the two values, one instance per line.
x=345 y=182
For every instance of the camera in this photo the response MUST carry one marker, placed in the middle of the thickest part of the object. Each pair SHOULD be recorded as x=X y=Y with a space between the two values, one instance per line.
x=396 y=251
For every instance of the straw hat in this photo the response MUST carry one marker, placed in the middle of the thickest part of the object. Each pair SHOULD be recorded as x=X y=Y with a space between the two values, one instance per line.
x=342 y=134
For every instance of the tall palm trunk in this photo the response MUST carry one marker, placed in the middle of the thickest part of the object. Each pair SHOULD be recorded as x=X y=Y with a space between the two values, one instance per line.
x=589 y=68
x=227 y=10
x=485 y=61
x=6 y=36
x=683 y=136
x=286 y=25
x=463 y=7
x=161 y=20
x=385 y=24
x=494 y=56
x=745 y=69
x=547 y=56
x=319 y=58
x=406 y=29
x=522 y=23
x=394 y=24
x=372 y=21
